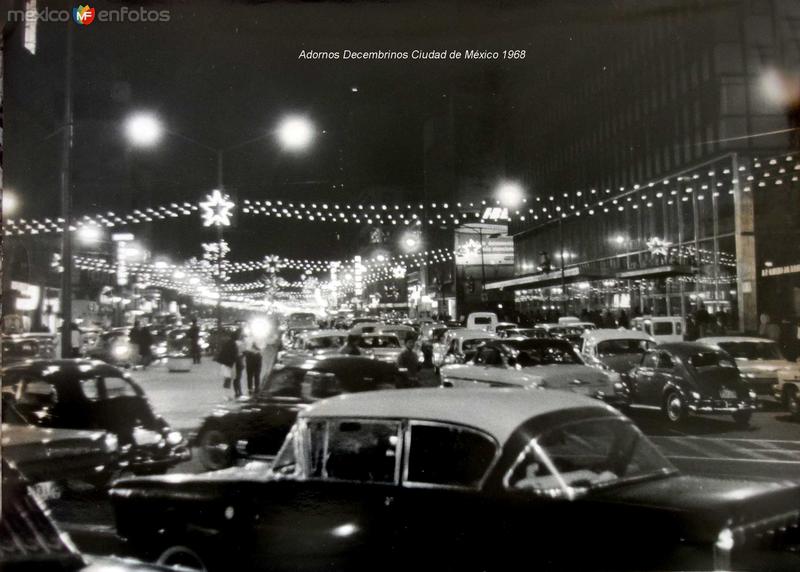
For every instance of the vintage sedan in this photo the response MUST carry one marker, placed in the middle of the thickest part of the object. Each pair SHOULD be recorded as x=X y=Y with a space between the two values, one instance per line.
x=114 y=347
x=312 y=344
x=462 y=480
x=569 y=332
x=687 y=377
x=83 y=394
x=383 y=347
x=255 y=426
x=532 y=363
x=617 y=350
x=759 y=359
x=21 y=347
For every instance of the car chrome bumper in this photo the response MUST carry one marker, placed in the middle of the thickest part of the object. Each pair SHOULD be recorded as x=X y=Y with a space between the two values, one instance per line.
x=145 y=462
x=721 y=406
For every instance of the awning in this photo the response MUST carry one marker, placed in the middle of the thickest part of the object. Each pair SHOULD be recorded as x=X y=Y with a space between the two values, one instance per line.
x=542 y=280
x=663 y=271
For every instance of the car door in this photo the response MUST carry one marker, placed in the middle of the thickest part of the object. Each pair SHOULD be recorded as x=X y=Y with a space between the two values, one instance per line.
x=266 y=418
x=656 y=377
x=336 y=514
x=643 y=379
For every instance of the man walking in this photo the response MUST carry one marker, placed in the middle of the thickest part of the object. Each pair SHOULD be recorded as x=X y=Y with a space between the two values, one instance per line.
x=194 y=341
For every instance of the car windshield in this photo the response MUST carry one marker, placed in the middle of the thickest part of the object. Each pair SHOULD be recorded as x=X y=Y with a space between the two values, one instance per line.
x=100 y=388
x=437 y=334
x=586 y=454
x=608 y=348
x=701 y=360
x=324 y=343
x=753 y=350
x=379 y=342
x=543 y=352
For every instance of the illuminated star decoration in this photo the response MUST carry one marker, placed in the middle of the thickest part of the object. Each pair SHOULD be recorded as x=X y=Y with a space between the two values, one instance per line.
x=399 y=271
x=216 y=209
x=658 y=246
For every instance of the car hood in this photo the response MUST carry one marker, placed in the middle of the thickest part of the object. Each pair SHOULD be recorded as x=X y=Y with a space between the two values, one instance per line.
x=702 y=506
x=563 y=374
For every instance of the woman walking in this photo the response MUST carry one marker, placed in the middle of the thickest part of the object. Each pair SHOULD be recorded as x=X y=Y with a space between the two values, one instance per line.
x=227 y=357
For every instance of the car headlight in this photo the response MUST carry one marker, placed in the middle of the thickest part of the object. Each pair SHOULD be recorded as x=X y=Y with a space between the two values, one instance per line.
x=174 y=438
x=110 y=443
x=752 y=394
x=696 y=396
x=120 y=351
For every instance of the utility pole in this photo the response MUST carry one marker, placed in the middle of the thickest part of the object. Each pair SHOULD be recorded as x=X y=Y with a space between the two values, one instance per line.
x=66 y=204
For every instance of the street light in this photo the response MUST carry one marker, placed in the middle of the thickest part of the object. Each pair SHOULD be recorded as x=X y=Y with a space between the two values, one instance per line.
x=143 y=129
x=10 y=202
x=295 y=133
x=510 y=194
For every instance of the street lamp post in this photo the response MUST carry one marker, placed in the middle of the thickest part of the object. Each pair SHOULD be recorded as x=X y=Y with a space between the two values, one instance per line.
x=66 y=204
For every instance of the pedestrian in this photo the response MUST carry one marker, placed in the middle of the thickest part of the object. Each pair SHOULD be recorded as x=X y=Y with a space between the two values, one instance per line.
x=145 y=346
x=252 y=363
x=272 y=345
x=623 y=320
x=409 y=361
x=74 y=340
x=134 y=337
x=238 y=366
x=194 y=341
x=428 y=375
x=350 y=348
x=227 y=357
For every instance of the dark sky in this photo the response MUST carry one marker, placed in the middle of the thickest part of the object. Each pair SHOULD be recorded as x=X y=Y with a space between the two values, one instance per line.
x=223 y=73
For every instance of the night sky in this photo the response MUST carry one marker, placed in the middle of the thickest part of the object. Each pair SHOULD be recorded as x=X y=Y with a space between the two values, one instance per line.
x=222 y=74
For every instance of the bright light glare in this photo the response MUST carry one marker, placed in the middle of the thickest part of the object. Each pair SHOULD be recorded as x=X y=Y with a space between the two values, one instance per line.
x=510 y=194
x=10 y=203
x=780 y=88
x=260 y=328
x=295 y=133
x=619 y=239
x=90 y=234
x=143 y=130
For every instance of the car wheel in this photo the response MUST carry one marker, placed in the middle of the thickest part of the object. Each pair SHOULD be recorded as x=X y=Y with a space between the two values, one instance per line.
x=674 y=407
x=181 y=557
x=742 y=418
x=791 y=398
x=215 y=450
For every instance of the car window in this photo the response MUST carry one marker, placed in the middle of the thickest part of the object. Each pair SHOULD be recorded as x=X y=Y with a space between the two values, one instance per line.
x=447 y=455
x=324 y=343
x=469 y=345
x=663 y=329
x=664 y=361
x=608 y=348
x=97 y=388
x=753 y=350
x=710 y=359
x=650 y=360
x=586 y=454
x=355 y=450
x=38 y=393
x=482 y=320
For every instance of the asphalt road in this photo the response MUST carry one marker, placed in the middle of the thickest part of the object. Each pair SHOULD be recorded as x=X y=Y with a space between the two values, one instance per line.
x=769 y=448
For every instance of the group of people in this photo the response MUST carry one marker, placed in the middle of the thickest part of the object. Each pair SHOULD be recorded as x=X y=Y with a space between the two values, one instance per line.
x=247 y=355
x=423 y=372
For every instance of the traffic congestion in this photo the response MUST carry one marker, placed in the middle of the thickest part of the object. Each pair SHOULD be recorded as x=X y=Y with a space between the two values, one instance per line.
x=423 y=285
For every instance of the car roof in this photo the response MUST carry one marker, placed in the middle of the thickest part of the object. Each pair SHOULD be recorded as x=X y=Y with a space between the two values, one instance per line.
x=498 y=412
x=723 y=339
x=602 y=334
x=66 y=367
x=323 y=333
x=469 y=334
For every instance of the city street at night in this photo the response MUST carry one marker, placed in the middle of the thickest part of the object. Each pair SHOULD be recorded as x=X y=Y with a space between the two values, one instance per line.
x=420 y=285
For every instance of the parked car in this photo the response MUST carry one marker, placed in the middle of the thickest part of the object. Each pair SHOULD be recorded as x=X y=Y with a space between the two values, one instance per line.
x=427 y=480
x=301 y=321
x=383 y=347
x=30 y=540
x=313 y=344
x=571 y=333
x=687 y=377
x=21 y=347
x=83 y=394
x=618 y=350
x=535 y=363
x=401 y=331
x=460 y=346
x=759 y=359
x=44 y=455
x=255 y=426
